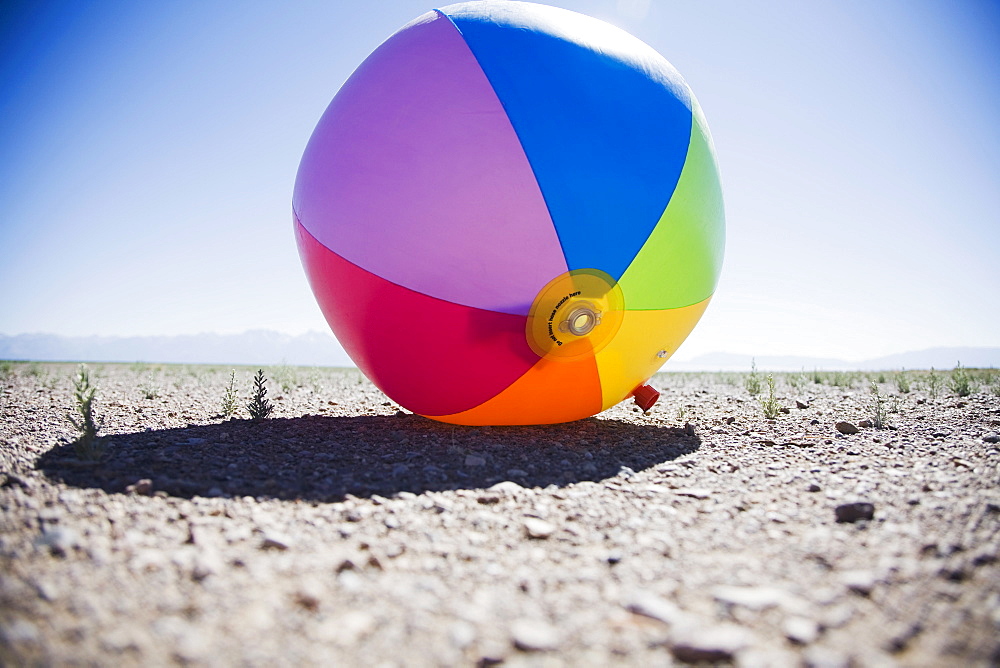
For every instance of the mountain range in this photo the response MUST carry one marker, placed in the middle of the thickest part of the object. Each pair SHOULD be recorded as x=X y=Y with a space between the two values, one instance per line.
x=254 y=347
x=938 y=358
x=321 y=349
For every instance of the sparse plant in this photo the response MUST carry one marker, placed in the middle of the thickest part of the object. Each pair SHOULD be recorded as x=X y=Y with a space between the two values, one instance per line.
x=259 y=406
x=795 y=380
x=770 y=404
x=752 y=382
x=841 y=379
x=878 y=407
x=961 y=381
x=987 y=378
x=284 y=376
x=149 y=388
x=87 y=445
x=230 y=398
x=6 y=370
x=316 y=381
x=903 y=382
x=934 y=383
x=817 y=378
x=881 y=377
x=50 y=381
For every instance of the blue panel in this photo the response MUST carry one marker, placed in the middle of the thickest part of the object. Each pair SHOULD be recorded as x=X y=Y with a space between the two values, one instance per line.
x=604 y=120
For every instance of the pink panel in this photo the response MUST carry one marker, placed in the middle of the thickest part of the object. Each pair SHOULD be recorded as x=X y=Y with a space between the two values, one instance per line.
x=432 y=356
x=415 y=174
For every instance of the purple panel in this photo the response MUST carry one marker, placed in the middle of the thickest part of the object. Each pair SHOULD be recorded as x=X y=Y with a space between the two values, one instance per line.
x=415 y=174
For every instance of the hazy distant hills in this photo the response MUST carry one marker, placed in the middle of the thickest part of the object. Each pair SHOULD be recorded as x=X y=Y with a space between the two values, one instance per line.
x=253 y=347
x=939 y=358
x=321 y=349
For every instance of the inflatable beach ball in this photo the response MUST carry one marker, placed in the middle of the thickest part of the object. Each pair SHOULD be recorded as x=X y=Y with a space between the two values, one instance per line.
x=511 y=214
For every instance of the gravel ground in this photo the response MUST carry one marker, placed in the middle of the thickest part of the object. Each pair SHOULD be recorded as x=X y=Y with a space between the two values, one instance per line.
x=345 y=531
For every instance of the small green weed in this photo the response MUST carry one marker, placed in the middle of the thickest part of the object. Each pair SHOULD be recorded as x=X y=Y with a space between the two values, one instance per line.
x=87 y=445
x=285 y=377
x=259 y=406
x=878 y=407
x=934 y=383
x=961 y=381
x=841 y=379
x=230 y=399
x=770 y=405
x=903 y=382
x=149 y=388
x=796 y=380
x=752 y=382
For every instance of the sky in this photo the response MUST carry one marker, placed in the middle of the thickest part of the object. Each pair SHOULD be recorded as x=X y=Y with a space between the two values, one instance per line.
x=148 y=153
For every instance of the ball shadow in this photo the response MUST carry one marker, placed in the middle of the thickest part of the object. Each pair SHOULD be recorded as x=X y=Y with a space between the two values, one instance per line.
x=324 y=459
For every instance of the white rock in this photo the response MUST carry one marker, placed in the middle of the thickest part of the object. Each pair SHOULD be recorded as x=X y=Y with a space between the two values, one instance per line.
x=506 y=487
x=860 y=581
x=694 y=493
x=275 y=541
x=534 y=636
x=759 y=598
x=710 y=643
x=654 y=607
x=801 y=630
x=537 y=528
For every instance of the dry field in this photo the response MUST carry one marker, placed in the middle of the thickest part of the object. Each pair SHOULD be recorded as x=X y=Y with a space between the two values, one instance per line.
x=345 y=531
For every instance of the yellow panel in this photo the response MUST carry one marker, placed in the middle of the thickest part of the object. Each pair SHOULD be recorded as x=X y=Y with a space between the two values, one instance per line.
x=552 y=391
x=575 y=314
x=635 y=353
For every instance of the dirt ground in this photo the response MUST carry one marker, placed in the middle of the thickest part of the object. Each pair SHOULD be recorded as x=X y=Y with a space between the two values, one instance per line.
x=346 y=531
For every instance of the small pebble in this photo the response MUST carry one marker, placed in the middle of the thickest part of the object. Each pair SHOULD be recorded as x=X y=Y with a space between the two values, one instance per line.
x=534 y=636
x=860 y=582
x=694 y=493
x=142 y=487
x=846 y=428
x=800 y=630
x=824 y=657
x=536 y=528
x=474 y=460
x=853 y=512
x=714 y=644
x=654 y=607
x=506 y=487
x=275 y=541
x=59 y=540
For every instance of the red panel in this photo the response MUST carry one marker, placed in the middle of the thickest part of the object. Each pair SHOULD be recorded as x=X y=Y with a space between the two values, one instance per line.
x=430 y=356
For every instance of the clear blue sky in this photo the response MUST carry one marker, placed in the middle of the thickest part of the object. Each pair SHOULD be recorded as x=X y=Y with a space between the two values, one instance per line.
x=148 y=152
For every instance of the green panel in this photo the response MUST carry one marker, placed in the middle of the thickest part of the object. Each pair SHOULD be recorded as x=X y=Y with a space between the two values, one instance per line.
x=680 y=262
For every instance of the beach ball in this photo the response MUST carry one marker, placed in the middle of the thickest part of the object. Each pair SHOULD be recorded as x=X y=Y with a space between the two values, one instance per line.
x=511 y=214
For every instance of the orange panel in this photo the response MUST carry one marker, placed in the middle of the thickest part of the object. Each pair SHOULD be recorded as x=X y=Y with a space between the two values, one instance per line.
x=550 y=392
